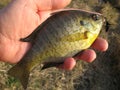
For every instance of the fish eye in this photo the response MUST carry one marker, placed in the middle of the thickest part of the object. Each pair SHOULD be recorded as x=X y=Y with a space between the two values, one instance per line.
x=81 y=22
x=95 y=17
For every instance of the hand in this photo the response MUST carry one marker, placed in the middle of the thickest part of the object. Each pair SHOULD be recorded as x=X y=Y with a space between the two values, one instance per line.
x=20 y=18
x=88 y=55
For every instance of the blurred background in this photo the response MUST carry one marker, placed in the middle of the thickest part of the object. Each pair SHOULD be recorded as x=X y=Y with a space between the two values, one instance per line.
x=102 y=74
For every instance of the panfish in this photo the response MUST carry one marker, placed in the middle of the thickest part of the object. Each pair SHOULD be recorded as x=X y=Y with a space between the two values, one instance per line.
x=64 y=34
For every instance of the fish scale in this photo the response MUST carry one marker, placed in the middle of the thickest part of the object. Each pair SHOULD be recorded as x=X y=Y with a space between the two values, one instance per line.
x=62 y=35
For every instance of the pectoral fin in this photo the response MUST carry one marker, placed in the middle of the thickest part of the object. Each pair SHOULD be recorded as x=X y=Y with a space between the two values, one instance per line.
x=75 y=37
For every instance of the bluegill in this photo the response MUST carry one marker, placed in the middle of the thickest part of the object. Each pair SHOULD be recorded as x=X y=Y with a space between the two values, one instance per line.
x=64 y=34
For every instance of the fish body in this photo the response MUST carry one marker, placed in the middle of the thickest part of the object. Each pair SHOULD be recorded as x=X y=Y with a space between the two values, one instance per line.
x=62 y=35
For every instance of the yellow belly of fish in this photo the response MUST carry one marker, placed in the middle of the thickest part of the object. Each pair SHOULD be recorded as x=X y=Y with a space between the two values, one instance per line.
x=64 y=47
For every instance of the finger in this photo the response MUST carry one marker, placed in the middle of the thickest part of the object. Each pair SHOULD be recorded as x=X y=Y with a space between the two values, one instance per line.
x=69 y=64
x=51 y=4
x=87 y=55
x=43 y=15
x=100 y=44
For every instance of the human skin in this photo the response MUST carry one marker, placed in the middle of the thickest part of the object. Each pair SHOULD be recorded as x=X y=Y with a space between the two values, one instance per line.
x=20 y=17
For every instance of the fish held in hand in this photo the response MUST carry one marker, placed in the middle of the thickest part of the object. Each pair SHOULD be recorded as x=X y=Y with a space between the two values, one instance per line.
x=62 y=35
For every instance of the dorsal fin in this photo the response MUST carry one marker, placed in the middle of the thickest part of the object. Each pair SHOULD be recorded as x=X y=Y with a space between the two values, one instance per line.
x=73 y=9
x=32 y=36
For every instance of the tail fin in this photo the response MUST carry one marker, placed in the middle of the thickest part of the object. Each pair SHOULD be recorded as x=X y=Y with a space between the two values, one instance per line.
x=20 y=73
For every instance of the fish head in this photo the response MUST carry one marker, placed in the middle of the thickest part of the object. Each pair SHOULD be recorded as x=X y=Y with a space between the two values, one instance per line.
x=90 y=21
x=88 y=26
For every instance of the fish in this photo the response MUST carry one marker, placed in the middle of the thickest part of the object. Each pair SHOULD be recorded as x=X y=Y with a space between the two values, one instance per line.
x=64 y=34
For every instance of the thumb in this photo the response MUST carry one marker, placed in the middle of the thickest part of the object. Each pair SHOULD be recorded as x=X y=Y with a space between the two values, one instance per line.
x=51 y=4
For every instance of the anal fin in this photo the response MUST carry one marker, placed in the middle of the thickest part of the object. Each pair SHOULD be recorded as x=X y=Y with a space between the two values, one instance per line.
x=51 y=64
